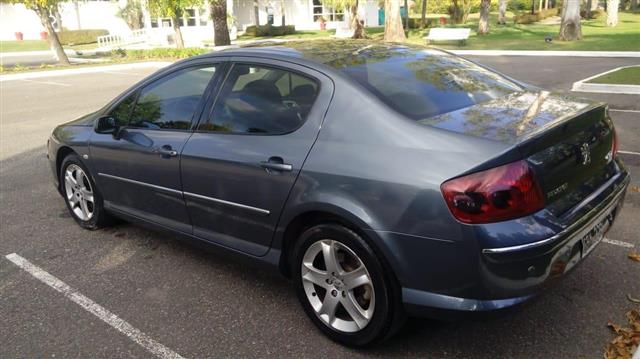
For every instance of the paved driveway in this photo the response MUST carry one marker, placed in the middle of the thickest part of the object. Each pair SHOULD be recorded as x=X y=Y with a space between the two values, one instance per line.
x=201 y=304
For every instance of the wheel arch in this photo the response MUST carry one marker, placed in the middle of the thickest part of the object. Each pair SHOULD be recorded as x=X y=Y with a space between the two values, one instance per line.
x=328 y=214
x=61 y=154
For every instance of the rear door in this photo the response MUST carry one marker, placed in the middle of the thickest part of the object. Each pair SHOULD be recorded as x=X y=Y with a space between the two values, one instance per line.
x=139 y=170
x=247 y=151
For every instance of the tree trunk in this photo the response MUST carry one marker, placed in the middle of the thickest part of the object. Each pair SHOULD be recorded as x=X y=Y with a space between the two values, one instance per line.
x=256 y=12
x=540 y=6
x=393 y=30
x=218 y=10
x=423 y=17
x=54 y=42
x=570 y=28
x=356 y=24
x=612 y=12
x=483 y=22
x=634 y=5
x=406 y=19
x=77 y=8
x=282 y=12
x=546 y=4
x=502 y=10
x=178 y=33
x=587 y=9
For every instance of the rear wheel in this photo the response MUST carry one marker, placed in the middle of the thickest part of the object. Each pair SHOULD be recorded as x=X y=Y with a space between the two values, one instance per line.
x=83 y=199
x=343 y=287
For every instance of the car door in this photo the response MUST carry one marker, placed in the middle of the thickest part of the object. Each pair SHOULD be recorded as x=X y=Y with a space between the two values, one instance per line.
x=138 y=170
x=247 y=151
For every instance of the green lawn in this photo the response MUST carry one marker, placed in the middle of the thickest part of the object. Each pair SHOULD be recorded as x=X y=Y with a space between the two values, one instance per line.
x=626 y=76
x=37 y=45
x=25 y=45
x=596 y=36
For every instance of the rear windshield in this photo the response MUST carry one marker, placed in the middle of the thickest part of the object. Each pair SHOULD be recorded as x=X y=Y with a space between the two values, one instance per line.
x=422 y=83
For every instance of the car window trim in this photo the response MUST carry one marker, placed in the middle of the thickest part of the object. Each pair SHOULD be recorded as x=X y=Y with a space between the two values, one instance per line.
x=268 y=63
x=219 y=62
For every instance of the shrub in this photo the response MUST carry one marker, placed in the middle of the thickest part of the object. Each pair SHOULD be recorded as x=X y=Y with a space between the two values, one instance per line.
x=528 y=18
x=518 y=5
x=270 y=30
x=158 y=53
x=78 y=37
x=414 y=23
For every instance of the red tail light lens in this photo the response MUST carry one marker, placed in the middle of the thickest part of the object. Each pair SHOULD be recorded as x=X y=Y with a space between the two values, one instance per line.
x=497 y=194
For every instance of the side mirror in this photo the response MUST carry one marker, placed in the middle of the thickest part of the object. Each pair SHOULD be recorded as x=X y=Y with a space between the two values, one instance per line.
x=107 y=125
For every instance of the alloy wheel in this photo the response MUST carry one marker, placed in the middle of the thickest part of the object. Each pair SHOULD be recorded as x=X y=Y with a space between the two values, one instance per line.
x=338 y=286
x=79 y=192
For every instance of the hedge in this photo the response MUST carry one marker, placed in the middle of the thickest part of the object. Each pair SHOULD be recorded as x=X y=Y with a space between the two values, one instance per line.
x=78 y=37
x=158 y=53
x=270 y=30
x=528 y=18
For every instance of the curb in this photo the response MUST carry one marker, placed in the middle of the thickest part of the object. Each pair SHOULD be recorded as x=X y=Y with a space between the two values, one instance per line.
x=84 y=70
x=628 y=54
x=584 y=86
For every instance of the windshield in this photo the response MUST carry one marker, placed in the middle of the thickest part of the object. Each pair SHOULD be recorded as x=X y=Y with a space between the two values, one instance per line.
x=422 y=83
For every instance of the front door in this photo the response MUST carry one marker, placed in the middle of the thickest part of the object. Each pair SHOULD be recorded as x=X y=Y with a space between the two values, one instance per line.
x=246 y=153
x=139 y=168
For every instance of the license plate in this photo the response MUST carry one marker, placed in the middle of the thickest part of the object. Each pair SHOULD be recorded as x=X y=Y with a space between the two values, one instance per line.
x=595 y=234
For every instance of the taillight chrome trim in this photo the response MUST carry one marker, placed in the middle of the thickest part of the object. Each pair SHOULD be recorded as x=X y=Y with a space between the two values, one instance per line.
x=610 y=203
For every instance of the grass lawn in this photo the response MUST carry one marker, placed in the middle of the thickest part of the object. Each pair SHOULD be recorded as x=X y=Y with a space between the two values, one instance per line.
x=37 y=45
x=626 y=76
x=24 y=45
x=596 y=36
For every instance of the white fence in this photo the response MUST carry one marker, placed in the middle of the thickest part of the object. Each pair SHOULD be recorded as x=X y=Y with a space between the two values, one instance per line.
x=134 y=37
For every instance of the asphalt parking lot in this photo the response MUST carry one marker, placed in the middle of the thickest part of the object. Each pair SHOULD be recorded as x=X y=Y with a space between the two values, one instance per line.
x=202 y=304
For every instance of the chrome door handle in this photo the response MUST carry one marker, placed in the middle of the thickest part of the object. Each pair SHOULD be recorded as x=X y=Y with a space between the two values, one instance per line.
x=166 y=151
x=276 y=166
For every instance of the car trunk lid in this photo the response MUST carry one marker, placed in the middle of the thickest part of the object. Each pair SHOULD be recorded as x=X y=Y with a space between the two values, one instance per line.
x=568 y=142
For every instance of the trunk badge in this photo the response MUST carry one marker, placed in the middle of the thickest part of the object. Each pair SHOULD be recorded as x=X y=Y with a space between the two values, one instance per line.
x=585 y=155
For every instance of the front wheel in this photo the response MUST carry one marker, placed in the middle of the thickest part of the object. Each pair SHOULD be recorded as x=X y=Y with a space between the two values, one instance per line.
x=343 y=287
x=83 y=199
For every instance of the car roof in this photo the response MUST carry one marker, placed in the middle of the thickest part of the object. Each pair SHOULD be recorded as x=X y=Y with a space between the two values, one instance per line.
x=333 y=53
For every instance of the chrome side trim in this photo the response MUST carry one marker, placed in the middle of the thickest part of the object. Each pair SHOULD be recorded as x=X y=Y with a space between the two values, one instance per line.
x=170 y=190
x=580 y=222
x=233 y=204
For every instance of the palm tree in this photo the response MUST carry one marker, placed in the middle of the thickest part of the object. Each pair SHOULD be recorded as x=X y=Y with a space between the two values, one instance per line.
x=393 y=30
x=612 y=12
x=570 y=28
x=483 y=23
x=218 y=9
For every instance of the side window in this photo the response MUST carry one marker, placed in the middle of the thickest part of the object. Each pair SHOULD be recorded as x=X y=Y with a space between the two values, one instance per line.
x=169 y=103
x=122 y=111
x=259 y=99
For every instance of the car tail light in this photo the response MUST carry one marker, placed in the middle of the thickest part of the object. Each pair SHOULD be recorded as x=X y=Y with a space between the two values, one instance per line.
x=497 y=194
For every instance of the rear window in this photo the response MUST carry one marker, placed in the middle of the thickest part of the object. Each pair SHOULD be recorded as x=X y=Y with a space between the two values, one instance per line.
x=421 y=83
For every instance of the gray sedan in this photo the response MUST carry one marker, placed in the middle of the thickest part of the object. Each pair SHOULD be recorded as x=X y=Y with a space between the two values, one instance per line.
x=385 y=180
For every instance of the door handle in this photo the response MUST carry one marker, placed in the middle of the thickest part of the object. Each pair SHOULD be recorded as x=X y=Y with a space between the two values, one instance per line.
x=276 y=164
x=166 y=151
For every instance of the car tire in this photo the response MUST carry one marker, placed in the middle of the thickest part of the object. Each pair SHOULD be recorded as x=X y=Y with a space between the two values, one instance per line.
x=360 y=285
x=81 y=195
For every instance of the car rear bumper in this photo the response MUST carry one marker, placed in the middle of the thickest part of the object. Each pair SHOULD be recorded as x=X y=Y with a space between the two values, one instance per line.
x=501 y=277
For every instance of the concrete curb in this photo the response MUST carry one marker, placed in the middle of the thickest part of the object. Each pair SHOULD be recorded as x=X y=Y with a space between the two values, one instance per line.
x=584 y=86
x=632 y=54
x=84 y=70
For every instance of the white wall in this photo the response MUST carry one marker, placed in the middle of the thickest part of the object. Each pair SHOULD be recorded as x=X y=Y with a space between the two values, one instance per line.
x=93 y=15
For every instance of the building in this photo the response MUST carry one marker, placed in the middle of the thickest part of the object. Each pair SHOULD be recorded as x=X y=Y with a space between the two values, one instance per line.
x=196 y=24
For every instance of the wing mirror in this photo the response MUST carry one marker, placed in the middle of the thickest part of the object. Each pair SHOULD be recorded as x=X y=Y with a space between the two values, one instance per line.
x=107 y=125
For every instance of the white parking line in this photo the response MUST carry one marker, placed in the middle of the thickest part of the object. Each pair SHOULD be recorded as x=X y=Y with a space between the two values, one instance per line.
x=618 y=243
x=90 y=306
x=629 y=153
x=630 y=111
x=46 y=82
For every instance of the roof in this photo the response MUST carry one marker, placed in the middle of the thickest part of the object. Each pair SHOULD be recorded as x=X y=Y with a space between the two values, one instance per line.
x=333 y=53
